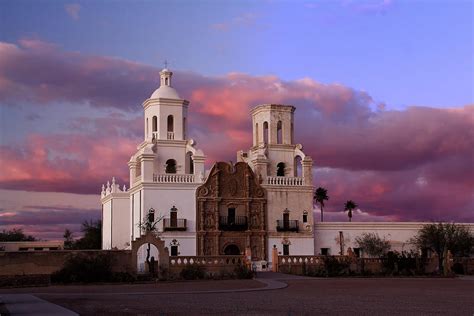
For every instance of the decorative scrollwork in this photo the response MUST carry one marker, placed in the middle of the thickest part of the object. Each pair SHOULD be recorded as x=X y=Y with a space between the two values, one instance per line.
x=204 y=191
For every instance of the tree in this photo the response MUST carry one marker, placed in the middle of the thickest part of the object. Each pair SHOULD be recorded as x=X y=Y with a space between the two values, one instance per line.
x=149 y=225
x=68 y=239
x=16 y=234
x=92 y=238
x=372 y=244
x=349 y=206
x=441 y=237
x=320 y=196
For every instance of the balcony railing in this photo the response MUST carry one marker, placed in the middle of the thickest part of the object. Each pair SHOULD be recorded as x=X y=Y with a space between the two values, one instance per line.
x=288 y=181
x=287 y=226
x=170 y=135
x=237 y=223
x=170 y=224
x=173 y=178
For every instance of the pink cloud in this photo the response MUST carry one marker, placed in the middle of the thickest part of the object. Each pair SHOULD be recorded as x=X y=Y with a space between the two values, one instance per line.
x=65 y=163
x=375 y=157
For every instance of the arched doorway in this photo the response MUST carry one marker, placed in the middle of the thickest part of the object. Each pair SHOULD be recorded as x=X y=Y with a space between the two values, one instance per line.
x=232 y=250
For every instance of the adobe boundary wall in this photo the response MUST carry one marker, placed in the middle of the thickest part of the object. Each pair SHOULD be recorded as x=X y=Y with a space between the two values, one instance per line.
x=48 y=262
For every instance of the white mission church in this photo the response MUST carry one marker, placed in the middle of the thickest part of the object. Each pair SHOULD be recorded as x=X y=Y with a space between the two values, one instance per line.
x=264 y=200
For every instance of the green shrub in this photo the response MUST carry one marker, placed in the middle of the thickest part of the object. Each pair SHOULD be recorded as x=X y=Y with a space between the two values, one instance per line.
x=336 y=266
x=316 y=272
x=122 y=277
x=243 y=272
x=88 y=268
x=193 y=272
x=405 y=263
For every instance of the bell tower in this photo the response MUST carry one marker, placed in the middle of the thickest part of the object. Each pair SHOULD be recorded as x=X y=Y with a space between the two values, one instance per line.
x=274 y=154
x=166 y=149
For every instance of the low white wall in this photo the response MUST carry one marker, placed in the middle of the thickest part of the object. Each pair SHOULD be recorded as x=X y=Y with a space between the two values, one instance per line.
x=326 y=235
x=45 y=245
x=303 y=246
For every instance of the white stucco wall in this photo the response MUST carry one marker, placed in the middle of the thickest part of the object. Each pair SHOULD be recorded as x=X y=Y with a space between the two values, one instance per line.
x=162 y=197
x=136 y=212
x=398 y=233
x=106 y=224
x=170 y=150
x=116 y=221
x=298 y=246
x=121 y=231
x=296 y=199
x=187 y=242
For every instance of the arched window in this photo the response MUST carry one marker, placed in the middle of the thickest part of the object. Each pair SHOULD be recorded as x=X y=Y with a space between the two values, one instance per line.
x=265 y=132
x=256 y=134
x=170 y=166
x=170 y=123
x=281 y=169
x=146 y=131
x=154 y=124
x=184 y=128
x=292 y=132
x=298 y=167
x=279 y=133
x=189 y=163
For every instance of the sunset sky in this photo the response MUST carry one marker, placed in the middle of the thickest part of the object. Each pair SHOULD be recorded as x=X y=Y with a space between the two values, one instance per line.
x=383 y=92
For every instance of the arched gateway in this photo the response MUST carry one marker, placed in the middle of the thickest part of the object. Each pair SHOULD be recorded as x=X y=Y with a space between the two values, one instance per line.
x=163 y=253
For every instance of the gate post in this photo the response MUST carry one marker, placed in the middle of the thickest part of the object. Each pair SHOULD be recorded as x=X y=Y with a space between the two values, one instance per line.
x=275 y=259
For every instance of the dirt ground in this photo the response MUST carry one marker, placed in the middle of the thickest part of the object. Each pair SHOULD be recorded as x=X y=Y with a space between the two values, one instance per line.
x=409 y=296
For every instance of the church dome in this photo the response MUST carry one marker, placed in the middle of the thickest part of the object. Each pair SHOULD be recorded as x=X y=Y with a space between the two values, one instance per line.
x=166 y=92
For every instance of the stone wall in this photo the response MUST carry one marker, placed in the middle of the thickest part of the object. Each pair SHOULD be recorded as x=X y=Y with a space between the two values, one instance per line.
x=212 y=264
x=22 y=263
x=47 y=262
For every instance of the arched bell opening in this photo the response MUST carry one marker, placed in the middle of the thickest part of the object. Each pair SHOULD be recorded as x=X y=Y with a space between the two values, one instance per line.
x=170 y=166
x=280 y=169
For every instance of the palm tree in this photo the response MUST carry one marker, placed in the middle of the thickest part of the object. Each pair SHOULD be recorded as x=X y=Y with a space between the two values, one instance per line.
x=349 y=206
x=320 y=196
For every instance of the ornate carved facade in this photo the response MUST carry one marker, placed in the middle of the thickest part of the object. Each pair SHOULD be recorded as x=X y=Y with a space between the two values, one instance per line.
x=231 y=212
